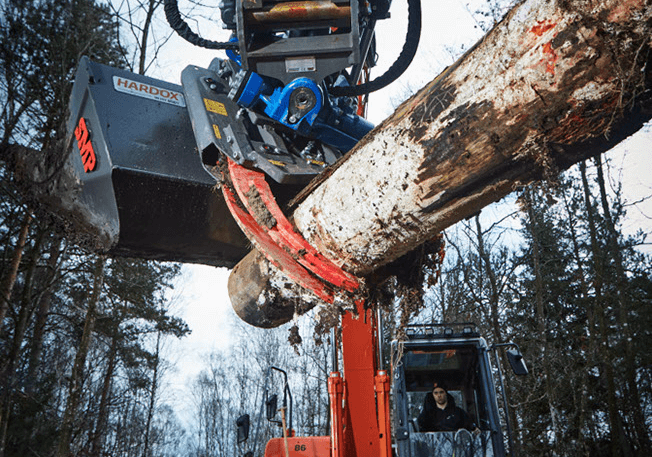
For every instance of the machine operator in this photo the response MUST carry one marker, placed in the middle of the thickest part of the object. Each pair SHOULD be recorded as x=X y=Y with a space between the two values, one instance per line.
x=439 y=412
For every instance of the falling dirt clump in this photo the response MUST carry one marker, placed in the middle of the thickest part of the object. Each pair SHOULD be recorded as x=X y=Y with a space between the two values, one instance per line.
x=328 y=317
x=401 y=282
x=404 y=281
x=539 y=152
x=295 y=338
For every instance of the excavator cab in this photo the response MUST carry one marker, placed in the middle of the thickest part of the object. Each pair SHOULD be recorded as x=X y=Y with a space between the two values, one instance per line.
x=456 y=355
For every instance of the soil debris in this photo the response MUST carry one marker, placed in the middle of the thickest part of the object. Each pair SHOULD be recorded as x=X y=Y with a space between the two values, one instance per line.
x=259 y=209
x=405 y=281
x=295 y=338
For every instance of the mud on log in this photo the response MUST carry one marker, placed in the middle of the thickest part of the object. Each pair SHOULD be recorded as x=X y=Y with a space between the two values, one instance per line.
x=552 y=84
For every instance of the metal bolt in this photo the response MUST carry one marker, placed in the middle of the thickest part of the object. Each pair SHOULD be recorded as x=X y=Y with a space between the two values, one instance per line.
x=211 y=83
x=229 y=139
x=293 y=119
x=236 y=155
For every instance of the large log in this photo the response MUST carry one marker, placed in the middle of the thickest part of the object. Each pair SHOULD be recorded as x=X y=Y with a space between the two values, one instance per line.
x=554 y=83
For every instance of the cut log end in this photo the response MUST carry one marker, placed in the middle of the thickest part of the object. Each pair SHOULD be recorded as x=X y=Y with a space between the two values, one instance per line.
x=262 y=296
x=248 y=286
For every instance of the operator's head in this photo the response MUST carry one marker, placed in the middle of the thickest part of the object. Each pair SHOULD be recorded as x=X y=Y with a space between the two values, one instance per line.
x=438 y=384
x=440 y=393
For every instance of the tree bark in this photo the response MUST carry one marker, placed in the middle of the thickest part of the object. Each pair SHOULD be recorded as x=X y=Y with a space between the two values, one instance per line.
x=552 y=84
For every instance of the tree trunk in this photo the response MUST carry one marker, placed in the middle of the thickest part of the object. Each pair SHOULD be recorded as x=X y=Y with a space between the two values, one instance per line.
x=27 y=305
x=103 y=410
x=80 y=360
x=617 y=442
x=7 y=368
x=142 y=67
x=485 y=259
x=633 y=401
x=153 y=395
x=494 y=300
x=553 y=83
x=12 y=272
x=542 y=326
x=36 y=343
x=583 y=414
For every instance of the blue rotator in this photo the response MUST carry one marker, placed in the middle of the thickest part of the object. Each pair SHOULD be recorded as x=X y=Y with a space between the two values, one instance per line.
x=302 y=107
x=291 y=132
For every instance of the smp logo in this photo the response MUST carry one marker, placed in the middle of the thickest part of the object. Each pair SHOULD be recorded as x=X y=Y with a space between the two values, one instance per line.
x=85 y=146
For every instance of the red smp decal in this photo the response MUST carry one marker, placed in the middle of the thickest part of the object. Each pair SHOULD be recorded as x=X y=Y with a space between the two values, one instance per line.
x=85 y=146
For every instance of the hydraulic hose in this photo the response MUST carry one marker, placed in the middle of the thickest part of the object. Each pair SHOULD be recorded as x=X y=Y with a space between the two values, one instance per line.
x=401 y=64
x=180 y=26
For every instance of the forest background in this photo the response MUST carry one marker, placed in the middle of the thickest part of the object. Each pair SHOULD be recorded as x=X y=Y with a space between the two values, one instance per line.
x=89 y=363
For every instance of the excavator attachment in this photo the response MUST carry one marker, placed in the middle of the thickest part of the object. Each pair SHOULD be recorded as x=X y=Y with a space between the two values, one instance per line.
x=142 y=153
x=141 y=189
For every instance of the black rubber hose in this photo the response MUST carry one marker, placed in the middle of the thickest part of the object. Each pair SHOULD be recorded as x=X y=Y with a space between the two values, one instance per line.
x=401 y=64
x=180 y=26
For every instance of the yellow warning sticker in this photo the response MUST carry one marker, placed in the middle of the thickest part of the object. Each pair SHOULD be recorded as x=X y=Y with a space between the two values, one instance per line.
x=216 y=129
x=215 y=107
x=276 y=162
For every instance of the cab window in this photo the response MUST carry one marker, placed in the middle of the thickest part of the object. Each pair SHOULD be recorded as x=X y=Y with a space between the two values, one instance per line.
x=457 y=367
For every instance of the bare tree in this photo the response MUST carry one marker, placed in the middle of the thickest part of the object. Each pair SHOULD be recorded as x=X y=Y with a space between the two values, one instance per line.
x=76 y=377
